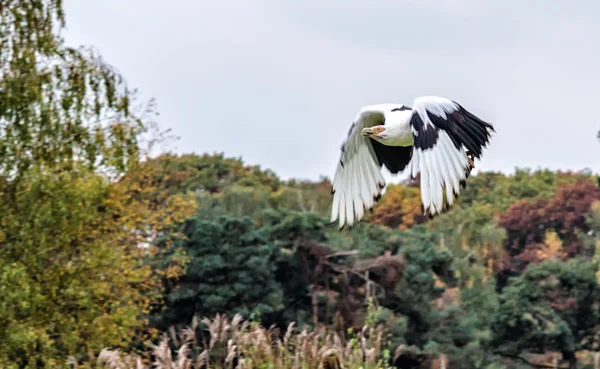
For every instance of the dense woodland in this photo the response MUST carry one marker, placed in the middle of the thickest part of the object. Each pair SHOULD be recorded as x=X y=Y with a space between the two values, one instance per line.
x=109 y=258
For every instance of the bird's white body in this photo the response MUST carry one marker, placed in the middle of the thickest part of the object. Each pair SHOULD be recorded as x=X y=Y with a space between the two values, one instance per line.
x=431 y=137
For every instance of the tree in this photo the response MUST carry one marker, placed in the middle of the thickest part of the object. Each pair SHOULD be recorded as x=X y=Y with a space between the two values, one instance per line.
x=400 y=207
x=502 y=191
x=225 y=185
x=231 y=270
x=59 y=105
x=68 y=286
x=471 y=234
x=528 y=225
x=553 y=306
x=70 y=265
x=305 y=196
x=427 y=275
x=207 y=173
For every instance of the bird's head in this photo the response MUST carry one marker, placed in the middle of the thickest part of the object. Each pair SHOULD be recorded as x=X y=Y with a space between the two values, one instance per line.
x=375 y=131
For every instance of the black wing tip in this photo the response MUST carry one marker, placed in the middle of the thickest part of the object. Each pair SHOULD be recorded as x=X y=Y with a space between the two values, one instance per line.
x=428 y=213
x=468 y=130
x=445 y=209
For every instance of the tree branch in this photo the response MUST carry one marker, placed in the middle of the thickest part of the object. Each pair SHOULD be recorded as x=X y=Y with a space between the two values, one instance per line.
x=525 y=361
x=342 y=253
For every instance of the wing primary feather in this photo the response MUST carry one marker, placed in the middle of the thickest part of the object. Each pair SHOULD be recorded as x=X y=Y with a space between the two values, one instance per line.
x=445 y=175
x=363 y=187
x=442 y=130
x=371 y=183
x=343 y=194
x=452 y=183
x=425 y=185
x=335 y=208
x=431 y=179
x=356 y=197
x=438 y=182
x=349 y=194
x=415 y=163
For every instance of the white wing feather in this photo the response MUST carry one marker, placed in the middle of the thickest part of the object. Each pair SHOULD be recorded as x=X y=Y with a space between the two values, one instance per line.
x=443 y=165
x=358 y=180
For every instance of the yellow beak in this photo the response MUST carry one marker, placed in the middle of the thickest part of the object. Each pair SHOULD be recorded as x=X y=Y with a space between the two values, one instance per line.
x=367 y=131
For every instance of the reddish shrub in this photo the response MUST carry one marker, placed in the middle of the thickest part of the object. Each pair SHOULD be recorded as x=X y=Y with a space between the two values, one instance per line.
x=526 y=224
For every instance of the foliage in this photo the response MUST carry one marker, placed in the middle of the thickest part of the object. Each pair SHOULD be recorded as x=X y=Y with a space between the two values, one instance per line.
x=72 y=275
x=474 y=239
x=502 y=191
x=553 y=306
x=399 y=208
x=68 y=281
x=231 y=270
x=59 y=105
x=305 y=196
x=426 y=278
x=227 y=186
x=207 y=173
x=308 y=271
x=547 y=228
x=100 y=248
x=592 y=237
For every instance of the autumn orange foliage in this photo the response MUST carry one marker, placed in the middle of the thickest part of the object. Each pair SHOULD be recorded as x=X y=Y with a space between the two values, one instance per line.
x=400 y=207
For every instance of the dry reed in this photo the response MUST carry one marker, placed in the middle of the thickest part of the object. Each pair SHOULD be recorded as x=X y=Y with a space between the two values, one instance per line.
x=239 y=344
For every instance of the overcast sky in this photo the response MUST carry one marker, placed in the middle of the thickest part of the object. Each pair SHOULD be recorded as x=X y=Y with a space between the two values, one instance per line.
x=278 y=82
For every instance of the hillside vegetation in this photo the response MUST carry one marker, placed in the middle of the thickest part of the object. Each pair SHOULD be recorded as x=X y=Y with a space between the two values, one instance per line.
x=109 y=258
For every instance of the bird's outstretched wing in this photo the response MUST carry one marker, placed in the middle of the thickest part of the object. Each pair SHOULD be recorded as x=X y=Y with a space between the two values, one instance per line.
x=442 y=131
x=358 y=182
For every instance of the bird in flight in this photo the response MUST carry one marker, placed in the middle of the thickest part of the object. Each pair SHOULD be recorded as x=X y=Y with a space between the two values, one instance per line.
x=437 y=137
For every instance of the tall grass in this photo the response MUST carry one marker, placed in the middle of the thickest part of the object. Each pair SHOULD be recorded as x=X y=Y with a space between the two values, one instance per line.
x=244 y=345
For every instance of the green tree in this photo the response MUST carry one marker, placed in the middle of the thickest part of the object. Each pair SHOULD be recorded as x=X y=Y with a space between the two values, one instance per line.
x=471 y=234
x=70 y=269
x=67 y=278
x=58 y=104
x=228 y=186
x=231 y=270
x=501 y=190
x=207 y=173
x=427 y=275
x=553 y=306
